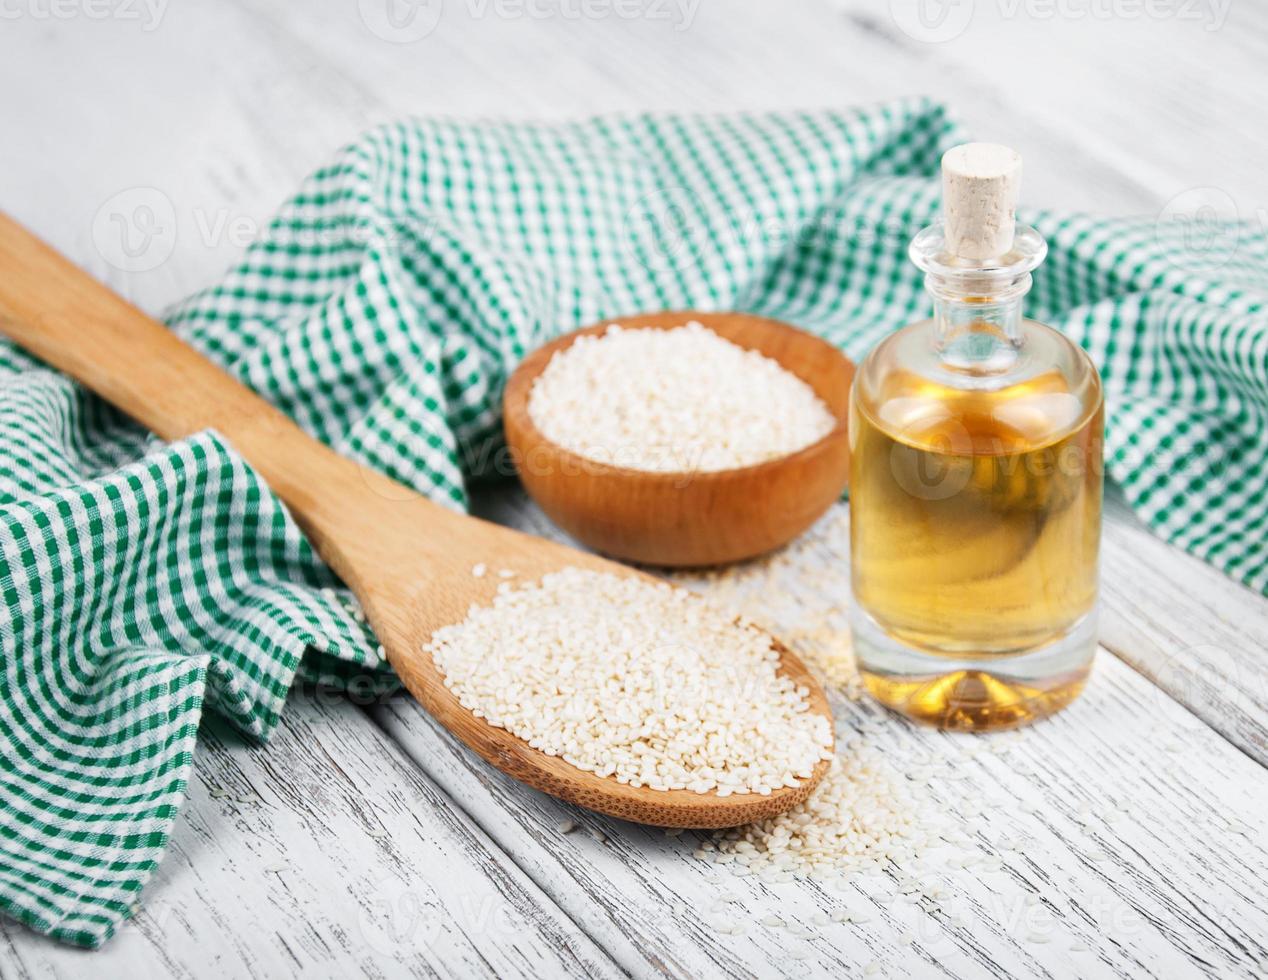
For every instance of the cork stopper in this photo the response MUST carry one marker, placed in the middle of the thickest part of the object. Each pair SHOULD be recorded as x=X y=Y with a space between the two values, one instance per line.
x=980 y=182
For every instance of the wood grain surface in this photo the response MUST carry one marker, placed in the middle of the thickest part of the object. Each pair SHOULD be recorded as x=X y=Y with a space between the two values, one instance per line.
x=1129 y=831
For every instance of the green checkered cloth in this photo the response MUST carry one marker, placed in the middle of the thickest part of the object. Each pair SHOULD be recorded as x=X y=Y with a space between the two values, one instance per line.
x=144 y=583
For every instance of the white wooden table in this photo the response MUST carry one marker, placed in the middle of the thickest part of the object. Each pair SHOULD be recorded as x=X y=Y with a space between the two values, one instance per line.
x=1124 y=837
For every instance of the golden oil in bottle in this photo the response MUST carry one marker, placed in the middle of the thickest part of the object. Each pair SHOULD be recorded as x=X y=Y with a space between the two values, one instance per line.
x=975 y=501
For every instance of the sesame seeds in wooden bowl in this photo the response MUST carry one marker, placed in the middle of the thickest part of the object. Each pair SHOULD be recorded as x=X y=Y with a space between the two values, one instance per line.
x=671 y=499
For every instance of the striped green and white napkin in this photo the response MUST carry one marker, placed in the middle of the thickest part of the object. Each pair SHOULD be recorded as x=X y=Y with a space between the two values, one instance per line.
x=144 y=583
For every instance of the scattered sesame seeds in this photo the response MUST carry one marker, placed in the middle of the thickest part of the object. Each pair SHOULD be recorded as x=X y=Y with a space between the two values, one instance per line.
x=867 y=812
x=637 y=680
x=768 y=590
x=680 y=400
x=861 y=816
x=566 y=826
x=479 y=569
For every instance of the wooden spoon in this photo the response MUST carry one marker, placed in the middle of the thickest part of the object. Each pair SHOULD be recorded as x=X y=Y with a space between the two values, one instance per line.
x=408 y=560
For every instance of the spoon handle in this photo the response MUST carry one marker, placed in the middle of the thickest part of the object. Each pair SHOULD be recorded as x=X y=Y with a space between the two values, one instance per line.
x=65 y=317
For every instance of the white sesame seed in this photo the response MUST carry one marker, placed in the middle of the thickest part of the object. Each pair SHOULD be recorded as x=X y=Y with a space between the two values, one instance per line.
x=862 y=815
x=867 y=813
x=479 y=569
x=674 y=401
x=693 y=700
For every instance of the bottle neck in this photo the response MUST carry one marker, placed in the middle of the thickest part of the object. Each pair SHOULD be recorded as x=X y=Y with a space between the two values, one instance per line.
x=978 y=324
x=977 y=304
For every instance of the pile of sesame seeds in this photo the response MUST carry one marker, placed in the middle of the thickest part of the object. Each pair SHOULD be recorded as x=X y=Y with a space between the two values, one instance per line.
x=637 y=680
x=861 y=816
x=679 y=400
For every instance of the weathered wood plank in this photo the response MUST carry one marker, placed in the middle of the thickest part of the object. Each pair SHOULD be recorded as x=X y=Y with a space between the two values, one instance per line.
x=1130 y=837
x=1123 y=866
x=325 y=853
x=226 y=138
x=1187 y=627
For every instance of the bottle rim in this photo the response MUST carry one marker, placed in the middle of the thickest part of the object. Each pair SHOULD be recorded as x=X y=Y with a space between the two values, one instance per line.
x=928 y=250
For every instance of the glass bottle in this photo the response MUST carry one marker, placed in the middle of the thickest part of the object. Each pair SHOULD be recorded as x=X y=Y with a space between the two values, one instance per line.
x=975 y=485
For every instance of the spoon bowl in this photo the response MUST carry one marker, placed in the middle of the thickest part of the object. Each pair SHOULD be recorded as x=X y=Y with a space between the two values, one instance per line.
x=408 y=561
x=691 y=518
x=405 y=617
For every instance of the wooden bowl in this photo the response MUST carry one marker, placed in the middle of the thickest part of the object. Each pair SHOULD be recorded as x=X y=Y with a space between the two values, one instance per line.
x=689 y=519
